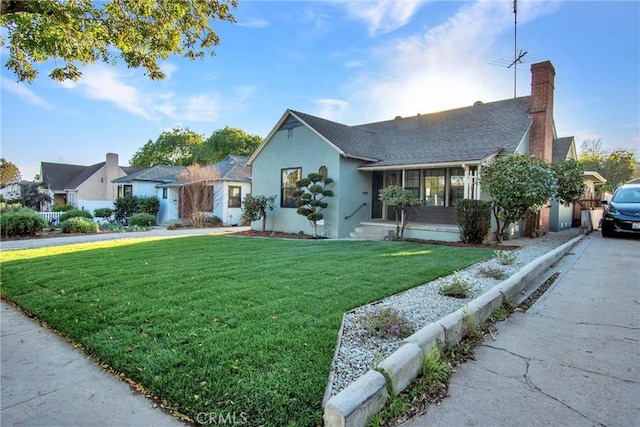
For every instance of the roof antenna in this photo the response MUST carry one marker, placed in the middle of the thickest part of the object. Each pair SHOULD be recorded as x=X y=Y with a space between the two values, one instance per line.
x=517 y=57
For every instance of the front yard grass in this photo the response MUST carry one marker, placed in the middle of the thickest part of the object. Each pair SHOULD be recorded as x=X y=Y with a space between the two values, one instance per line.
x=220 y=324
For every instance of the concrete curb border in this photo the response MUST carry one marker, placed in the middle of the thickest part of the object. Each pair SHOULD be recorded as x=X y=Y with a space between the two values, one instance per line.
x=366 y=396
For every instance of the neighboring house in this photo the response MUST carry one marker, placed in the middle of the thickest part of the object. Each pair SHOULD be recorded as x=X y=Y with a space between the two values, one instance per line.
x=438 y=156
x=229 y=179
x=561 y=214
x=84 y=187
x=12 y=190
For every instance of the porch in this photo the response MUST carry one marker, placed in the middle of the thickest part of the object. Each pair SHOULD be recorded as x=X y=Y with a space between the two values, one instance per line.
x=379 y=229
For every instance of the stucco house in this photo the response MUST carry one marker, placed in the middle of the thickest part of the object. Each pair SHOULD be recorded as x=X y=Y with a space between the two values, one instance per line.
x=84 y=187
x=229 y=179
x=438 y=156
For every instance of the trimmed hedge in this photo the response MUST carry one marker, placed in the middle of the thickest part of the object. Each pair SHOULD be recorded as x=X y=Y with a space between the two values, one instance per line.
x=74 y=213
x=142 y=220
x=79 y=225
x=103 y=213
x=474 y=218
x=21 y=223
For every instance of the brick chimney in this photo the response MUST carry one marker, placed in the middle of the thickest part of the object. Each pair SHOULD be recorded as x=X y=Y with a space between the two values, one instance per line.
x=542 y=133
x=541 y=110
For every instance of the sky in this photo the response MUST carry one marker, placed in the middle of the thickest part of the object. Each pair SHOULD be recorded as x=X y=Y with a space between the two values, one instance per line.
x=351 y=61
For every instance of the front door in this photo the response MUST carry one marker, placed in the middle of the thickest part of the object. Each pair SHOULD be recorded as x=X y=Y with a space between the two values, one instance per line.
x=377 y=180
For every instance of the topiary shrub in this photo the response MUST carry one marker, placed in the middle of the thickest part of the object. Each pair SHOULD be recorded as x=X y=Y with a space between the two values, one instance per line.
x=61 y=208
x=21 y=223
x=78 y=225
x=142 y=220
x=474 y=218
x=74 y=213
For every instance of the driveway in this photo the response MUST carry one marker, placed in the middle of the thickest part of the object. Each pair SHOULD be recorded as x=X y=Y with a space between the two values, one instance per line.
x=572 y=359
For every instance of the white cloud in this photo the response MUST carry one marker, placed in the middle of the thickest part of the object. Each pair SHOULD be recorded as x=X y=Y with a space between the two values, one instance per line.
x=253 y=23
x=331 y=109
x=445 y=66
x=383 y=16
x=106 y=84
x=23 y=91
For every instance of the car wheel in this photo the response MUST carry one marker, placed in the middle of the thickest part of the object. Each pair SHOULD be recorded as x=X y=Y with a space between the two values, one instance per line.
x=606 y=232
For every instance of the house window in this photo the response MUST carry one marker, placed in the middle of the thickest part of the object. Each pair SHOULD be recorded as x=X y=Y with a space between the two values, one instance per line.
x=165 y=193
x=323 y=171
x=412 y=181
x=125 y=190
x=456 y=185
x=434 y=180
x=234 y=197
x=288 y=184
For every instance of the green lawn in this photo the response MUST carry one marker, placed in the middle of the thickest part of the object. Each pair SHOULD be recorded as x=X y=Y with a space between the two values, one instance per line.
x=220 y=323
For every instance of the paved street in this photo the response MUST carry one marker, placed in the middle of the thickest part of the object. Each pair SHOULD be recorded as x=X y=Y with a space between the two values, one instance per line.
x=573 y=359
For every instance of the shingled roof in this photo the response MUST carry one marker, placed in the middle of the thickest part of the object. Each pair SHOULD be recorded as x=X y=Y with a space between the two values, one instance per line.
x=469 y=134
x=159 y=173
x=561 y=147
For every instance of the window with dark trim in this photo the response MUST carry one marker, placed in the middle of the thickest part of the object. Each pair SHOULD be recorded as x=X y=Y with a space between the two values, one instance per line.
x=125 y=190
x=434 y=180
x=289 y=177
x=456 y=185
x=412 y=181
x=234 y=196
x=165 y=193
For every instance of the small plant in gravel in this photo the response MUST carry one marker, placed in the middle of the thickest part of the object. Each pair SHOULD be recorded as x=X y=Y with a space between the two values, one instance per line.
x=499 y=314
x=386 y=322
x=493 y=272
x=506 y=257
x=457 y=286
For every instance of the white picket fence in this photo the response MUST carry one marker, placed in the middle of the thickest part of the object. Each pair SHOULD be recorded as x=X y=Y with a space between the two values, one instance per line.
x=51 y=216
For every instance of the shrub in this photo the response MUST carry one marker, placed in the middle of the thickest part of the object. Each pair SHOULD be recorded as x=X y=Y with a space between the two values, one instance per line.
x=61 y=208
x=474 y=218
x=22 y=223
x=74 y=213
x=214 y=221
x=124 y=207
x=149 y=205
x=13 y=207
x=506 y=257
x=385 y=322
x=457 y=287
x=142 y=220
x=103 y=213
x=78 y=225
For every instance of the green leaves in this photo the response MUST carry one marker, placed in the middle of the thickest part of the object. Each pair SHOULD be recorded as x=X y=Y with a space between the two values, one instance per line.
x=141 y=32
x=309 y=194
x=519 y=184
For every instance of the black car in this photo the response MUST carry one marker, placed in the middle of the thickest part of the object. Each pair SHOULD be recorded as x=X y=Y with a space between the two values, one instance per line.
x=622 y=213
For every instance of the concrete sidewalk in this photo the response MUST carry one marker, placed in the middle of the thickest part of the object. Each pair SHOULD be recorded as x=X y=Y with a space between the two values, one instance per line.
x=572 y=359
x=101 y=237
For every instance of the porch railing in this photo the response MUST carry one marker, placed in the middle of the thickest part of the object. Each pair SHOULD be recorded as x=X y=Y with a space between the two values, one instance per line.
x=354 y=212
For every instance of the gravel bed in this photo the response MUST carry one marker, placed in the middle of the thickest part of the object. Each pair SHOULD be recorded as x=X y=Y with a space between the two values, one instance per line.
x=423 y=305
